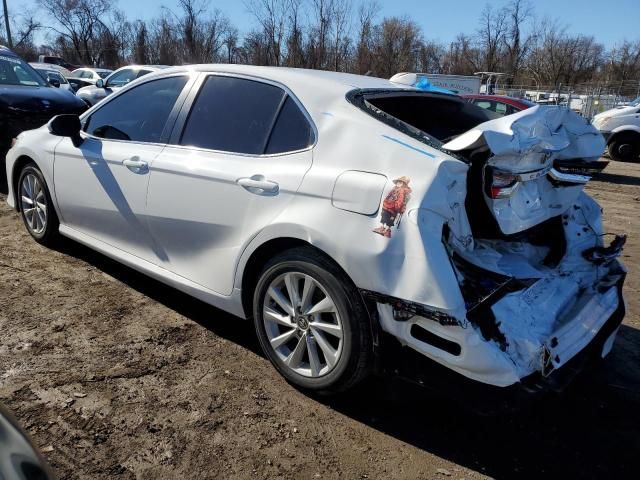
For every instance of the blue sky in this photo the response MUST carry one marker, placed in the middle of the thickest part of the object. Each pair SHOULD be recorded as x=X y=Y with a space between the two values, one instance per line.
x=610 y=22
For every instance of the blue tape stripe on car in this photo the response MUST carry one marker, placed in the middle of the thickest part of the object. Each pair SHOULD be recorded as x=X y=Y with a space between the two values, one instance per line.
x=424 y=152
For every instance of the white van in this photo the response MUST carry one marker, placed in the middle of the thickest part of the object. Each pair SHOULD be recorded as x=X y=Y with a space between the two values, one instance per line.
x=621 y=129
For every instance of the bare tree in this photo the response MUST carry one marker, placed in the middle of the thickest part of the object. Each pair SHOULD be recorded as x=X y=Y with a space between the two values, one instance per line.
x=272 y=16
x=78 y=22
x=491 y=37
x=517 y=43
x=367 y=11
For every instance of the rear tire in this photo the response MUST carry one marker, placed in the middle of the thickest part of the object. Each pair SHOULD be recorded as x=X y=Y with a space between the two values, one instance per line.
x=36 y=207
x=311 y=323
x=625 y=147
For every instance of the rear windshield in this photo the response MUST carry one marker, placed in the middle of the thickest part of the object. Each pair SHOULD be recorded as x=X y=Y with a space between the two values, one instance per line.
x=429 y=117
x=14 y=71
x=104 y=73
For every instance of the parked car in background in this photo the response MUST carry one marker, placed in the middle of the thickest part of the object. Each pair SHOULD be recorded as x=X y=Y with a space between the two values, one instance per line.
x=19 y=458
x=115 y=81
x=91 y=75
x=27 y=100
x=53 y=76
x=458 y=84
x=54 y=60
x=329 y=209
x=620 y=127
x=500 y=104
x=85 y=77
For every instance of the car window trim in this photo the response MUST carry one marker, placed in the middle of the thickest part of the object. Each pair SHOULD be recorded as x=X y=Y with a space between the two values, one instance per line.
x=274 y=120
x=181 y=121
x=171 y=119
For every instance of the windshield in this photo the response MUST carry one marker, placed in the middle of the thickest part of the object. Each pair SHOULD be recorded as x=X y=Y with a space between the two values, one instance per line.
x=635 y=103
x=13 y=71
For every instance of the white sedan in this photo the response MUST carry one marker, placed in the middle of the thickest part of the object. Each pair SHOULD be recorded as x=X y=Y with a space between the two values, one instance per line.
x=356 y=222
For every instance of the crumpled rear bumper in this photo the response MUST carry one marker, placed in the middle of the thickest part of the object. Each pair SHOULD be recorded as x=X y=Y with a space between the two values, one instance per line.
x=420 y=348
x=406 y=362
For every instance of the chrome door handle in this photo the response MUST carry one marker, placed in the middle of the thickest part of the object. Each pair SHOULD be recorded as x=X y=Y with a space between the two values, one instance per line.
x=136 y=165
x=258 y=184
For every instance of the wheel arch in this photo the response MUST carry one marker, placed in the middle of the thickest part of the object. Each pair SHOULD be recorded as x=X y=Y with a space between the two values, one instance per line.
x=18 y=165
x=624 y=129
x=257 y=259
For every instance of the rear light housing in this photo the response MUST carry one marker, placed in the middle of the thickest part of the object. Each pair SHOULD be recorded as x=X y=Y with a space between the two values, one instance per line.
x=499 y=184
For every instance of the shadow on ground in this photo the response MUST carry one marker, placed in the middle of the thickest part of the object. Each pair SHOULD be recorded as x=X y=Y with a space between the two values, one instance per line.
x=589 y=431
x=616 y=179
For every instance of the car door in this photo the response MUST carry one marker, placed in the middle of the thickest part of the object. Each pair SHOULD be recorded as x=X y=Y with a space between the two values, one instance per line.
x=233 y=164
x=101 y=184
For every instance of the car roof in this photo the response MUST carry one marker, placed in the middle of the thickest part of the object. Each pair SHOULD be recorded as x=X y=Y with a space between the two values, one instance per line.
x=315 y=88
x=51 y=67
x=94 y=69
x=7 y=51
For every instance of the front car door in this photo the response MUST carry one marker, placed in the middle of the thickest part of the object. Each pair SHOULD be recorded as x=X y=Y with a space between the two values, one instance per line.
x=101 y=184
x=238 y=154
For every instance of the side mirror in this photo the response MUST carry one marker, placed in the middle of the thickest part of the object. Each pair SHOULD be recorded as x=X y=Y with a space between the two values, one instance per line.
x=67 y=125
x=100 y=83
x=54 y=83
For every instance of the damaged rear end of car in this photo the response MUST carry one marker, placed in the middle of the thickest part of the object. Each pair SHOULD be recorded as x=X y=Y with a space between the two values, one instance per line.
x=540 y=278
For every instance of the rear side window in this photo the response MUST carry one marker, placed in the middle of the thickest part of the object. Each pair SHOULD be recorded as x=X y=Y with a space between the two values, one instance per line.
x=233 y=115
x=139 y=114
x=291 y=131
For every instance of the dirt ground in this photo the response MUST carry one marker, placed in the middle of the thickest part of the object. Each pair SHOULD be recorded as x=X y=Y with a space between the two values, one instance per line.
x=122 y=377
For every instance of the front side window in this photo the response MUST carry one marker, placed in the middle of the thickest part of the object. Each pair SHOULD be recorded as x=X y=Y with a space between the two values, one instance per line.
x=121 y=78
x=140 y=114
x=233 y=115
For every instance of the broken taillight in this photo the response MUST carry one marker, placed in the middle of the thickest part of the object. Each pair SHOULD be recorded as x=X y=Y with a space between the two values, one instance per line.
x=500 y=184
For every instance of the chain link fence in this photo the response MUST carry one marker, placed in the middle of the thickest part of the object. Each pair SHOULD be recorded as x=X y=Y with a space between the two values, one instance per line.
x=587 y=99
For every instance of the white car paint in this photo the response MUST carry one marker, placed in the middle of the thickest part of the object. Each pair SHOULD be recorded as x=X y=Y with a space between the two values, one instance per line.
x=527 y=143
x=188 y=220
x=90 y=74
x=623 y=124
x=620 y=118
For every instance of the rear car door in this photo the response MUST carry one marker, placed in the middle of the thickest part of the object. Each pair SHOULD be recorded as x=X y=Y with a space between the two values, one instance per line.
x=101 y=184
x=237 y=157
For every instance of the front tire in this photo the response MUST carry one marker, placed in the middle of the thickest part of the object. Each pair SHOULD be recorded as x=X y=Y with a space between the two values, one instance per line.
x=625 y=147
x=36 y=207
x=311 y=323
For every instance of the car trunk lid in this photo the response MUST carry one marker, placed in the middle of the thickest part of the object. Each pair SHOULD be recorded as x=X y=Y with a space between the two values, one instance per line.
x=537 y=162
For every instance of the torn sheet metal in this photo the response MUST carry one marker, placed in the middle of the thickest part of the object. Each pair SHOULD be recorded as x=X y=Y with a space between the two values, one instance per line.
x=547 y=323
x=524 y=147
x=528 y=137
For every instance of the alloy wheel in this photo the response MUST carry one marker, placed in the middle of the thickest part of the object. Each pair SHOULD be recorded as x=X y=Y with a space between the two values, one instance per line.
x=302 y=324
x=34 y=203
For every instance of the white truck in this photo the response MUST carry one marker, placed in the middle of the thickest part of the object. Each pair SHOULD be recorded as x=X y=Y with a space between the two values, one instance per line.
x=458 y=84
x=620 y=127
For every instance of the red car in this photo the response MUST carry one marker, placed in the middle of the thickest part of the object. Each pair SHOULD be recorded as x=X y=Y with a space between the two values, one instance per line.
x=500 y=104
